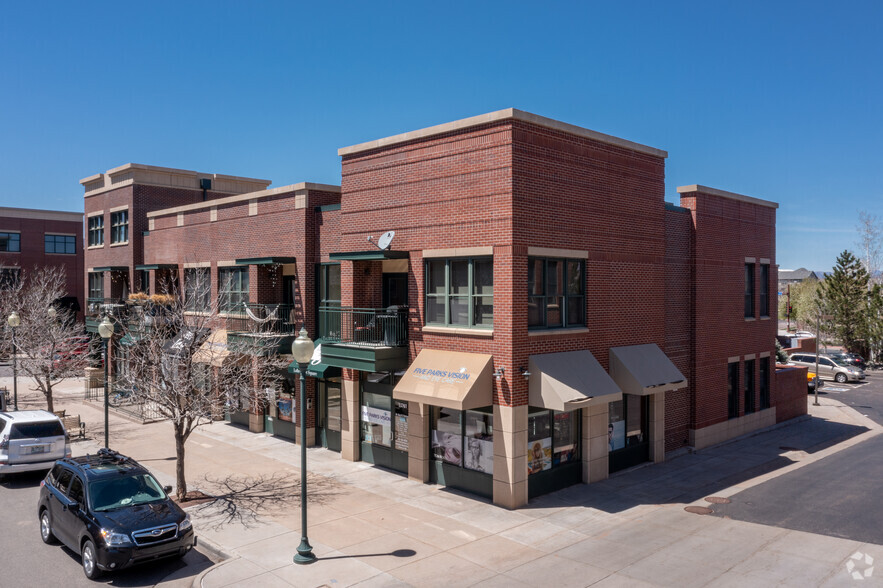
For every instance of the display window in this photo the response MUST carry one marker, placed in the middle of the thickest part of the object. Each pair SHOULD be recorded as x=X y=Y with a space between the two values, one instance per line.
x=552 y=439
x=464 y=438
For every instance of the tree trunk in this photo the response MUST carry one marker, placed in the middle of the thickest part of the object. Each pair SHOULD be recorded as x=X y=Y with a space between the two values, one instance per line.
x=50 y=403
x=181 y=491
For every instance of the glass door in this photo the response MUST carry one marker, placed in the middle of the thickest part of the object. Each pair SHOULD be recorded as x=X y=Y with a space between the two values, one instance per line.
x=329 y=414
x=628 y=432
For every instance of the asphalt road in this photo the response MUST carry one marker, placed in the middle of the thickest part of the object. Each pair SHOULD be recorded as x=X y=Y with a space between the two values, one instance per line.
x=838 y=495
x=26 y=561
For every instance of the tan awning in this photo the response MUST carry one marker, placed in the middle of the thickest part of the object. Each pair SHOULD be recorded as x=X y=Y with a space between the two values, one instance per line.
x=450 y=379
x=644 y=369
x=569 y=380
x=214 y=351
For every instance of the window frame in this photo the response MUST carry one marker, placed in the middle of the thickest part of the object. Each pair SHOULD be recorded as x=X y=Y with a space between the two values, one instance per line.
x=69 y=244
x=95 y=230
x=750 y=288
x=567 y=299
x=576 y=434
x=8 y=238
x=733 y=390
x=227 y=295
x=764 y=290
x=98 y=278
x=764 y=383
x=487 y=413
x=197 y=301
x=749 y=385
x=119 y=227
x=472 y=296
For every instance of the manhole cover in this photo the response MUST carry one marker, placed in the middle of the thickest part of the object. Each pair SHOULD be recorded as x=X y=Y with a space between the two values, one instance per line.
x=717 y=500
x=698 y=509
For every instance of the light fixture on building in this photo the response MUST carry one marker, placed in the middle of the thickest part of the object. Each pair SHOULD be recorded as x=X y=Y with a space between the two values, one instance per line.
x=499 y=373
x=525 y=373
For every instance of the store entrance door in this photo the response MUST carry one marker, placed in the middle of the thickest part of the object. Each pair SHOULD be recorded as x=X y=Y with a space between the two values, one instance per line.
x=384 y=423
x=329 y=414
x=628 y=432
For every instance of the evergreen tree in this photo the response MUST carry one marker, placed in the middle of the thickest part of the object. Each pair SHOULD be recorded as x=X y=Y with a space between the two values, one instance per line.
x=845 y=293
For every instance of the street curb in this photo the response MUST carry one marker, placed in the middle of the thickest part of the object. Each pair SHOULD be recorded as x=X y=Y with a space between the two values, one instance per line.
x=197 y=581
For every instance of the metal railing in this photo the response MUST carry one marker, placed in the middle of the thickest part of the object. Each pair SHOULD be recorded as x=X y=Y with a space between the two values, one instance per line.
x=261 y=318
x=115 y=307
x=371 y=327
x=122 y=400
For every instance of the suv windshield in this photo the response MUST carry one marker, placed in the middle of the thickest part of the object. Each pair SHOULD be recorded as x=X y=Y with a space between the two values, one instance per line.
x=124 y=491
x=36 y=430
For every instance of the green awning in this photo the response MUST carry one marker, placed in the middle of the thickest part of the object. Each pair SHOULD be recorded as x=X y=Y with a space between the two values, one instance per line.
x=129 y=339
x=265 y=260
x=111 y=268
x=157 y=266
x=319 y=370
x=370 y=255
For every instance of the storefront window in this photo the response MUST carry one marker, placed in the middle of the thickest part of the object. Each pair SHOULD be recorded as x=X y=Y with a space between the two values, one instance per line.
x=552 y=439
x=627 y=422
x=376 y=419
x=464 y=438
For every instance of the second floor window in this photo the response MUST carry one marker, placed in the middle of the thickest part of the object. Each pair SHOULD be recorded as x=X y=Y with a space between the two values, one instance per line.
x=197 y=289
x=460 y=292
x=96 y=285
x=60 y=244
x=9 y=277
x=119 y=226
x=764 y=297
x=232 y=289
x=556 y=293
x=732 y=390
x=10 y=242
x=96 y=231
x=749 y=290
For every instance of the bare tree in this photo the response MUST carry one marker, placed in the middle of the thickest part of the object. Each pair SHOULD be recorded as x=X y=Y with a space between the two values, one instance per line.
x=870 y=237
x=176 y=363
x=50 y=346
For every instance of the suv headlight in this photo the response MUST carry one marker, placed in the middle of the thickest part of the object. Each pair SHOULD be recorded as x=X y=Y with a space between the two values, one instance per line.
x=113 y=539
x=185 y=524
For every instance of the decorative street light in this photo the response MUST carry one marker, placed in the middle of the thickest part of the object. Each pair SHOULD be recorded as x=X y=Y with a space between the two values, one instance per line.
x=13 y=321
x=105 y=329
x=51 y=313
x=302 y=350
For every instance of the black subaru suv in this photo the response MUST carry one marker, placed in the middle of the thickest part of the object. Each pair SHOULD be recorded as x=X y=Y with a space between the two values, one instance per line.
x=112 y=511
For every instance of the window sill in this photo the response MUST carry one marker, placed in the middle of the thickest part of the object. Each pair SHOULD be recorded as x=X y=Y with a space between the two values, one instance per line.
x=120 y=244
x=748 y=319
x=196 y=313
x=96 y=246
x=764 y=318
x=458 y=331
x=568 y=331
x=68 y=254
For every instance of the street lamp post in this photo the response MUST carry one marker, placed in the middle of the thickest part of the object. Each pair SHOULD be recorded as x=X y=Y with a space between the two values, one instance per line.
x=302 y=350
x=13 y=321
x=105 y=329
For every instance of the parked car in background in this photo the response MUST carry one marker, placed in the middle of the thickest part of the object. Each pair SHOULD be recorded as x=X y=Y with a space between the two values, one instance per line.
x=850 y=359
x=70 y=350
x=829 y=368
x=813 y=382
x=112 y=511
x=31 y=440
x=803 y=334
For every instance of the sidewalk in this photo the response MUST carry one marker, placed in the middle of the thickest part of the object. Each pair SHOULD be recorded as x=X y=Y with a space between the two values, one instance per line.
x=371 y=527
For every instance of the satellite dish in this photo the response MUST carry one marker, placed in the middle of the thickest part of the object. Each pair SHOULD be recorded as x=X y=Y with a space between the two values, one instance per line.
x=385 y=239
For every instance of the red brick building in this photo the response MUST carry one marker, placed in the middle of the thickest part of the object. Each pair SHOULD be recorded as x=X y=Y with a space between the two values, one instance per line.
x=505 y=304
x=43 y=238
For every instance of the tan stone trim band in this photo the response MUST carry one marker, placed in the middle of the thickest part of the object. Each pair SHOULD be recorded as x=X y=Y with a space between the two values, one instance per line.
x=198 y=264
x=498 y=116
x=303 y=186
x=32 y=213
x=119 y=208
x=553 y=252
x=459 y=331
x=458 y=252
x=724 y=194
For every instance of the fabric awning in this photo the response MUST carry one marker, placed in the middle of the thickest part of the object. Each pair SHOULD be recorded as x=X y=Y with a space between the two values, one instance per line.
x=569 y=380
x=214 y=350
x=450 y=379
x=644 y=369
x=184 y=340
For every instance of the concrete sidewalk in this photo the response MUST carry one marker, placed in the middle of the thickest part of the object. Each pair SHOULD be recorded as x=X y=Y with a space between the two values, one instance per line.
x=371 y=527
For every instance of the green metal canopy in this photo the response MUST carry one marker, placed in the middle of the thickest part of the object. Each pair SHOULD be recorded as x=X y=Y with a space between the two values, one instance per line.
x=111 y=268
x=370 y=255
x=265 y=260
x=157 y=266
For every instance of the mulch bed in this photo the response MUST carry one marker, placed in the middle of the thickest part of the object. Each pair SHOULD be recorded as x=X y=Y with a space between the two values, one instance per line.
x=193 y=498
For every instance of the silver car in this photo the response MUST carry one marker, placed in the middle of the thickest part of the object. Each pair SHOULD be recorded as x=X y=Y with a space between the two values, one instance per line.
x=31 y=440
x=829 y=368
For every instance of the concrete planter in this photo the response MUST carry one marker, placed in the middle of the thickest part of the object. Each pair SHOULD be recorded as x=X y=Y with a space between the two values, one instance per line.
x=94 y=377
x=255 y=422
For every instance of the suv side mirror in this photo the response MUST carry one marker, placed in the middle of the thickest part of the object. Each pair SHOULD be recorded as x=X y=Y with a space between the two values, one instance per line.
x=167 y=489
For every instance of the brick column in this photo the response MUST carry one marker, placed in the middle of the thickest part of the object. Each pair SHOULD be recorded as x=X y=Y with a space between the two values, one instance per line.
x=510 y=456
x=418 y=441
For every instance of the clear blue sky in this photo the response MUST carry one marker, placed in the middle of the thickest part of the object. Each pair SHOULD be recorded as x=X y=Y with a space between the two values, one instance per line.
x=777 y=100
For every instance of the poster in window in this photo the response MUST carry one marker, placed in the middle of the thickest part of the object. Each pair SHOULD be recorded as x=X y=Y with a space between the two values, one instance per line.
x=446 y=447
x=401 y=432
x=539 y=455
x=380 y=424
x=285 y=406
x=479 y=455
x=616 y=435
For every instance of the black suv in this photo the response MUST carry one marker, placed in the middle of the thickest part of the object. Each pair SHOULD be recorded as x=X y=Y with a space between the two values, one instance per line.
x=112 y=511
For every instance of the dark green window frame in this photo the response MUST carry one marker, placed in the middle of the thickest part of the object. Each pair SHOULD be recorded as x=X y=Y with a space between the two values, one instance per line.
x=460 y=292
x=10 y=242
x=749 y=290
x=463 y=438
x=197 y=289
x=232 y=289
x=119 y=226
x=553 y=438
x=733 y=390
x=96 y=285
x=764 y=296
x=556 y=297
x=96 y=231
x=748 y=381
x=65 y=244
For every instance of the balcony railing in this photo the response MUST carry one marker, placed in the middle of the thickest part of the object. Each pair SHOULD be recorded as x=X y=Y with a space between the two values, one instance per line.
x=115 y=307
x=371 y=327
x=262 y=318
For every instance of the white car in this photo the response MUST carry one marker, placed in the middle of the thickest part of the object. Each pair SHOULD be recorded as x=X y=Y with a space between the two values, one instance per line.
x=803 y=334
x=31 y=440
